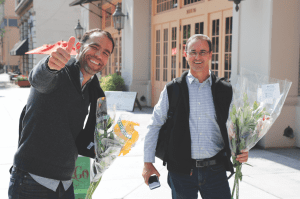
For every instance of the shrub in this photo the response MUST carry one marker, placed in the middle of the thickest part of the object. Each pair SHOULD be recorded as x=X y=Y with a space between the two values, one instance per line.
x=112 y=83
x=22 y=78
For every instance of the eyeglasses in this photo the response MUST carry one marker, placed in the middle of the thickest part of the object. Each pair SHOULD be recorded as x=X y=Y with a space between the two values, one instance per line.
x=194 y=53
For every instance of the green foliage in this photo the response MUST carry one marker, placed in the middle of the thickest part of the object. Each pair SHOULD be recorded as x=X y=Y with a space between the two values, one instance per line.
x=22 y=78
x=255 y=105
x=2 y=31
x=112 y=83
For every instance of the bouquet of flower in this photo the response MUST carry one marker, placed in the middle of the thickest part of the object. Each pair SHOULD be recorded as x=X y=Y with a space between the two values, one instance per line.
x=111 y=140
x=257 y=103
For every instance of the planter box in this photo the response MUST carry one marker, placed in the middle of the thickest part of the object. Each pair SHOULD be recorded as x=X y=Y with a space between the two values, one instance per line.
x=24 y=83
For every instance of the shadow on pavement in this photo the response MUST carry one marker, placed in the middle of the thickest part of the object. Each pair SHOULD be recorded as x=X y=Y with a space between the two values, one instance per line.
x=289 y=157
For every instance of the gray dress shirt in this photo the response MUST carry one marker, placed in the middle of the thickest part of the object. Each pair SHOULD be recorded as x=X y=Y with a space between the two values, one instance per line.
x=206 y=138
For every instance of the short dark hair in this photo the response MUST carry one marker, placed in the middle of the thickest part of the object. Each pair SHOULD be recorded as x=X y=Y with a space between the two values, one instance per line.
x=198 y=37
x=87 y=34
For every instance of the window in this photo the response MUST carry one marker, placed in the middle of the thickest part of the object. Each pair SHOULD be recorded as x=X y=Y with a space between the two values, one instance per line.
x=186 y=2
x=116 y=63
x=108 y=18
x=215 y=47
x=165 y=64
x=104 y=71
x=163 y=5
x=109 y=68
x=120 y=54
x=186 y=36
x=228 y=44
x=299 y=82
x=12 y=23
x=157 y=65
x=299 y=79
x=199 y=28
x=174 y=50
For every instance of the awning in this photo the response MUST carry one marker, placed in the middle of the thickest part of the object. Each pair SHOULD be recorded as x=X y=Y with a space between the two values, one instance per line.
x=78 y=2
x=20 y=48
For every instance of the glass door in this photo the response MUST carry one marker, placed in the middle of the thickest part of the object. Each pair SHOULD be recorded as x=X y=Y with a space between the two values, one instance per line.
x=189 y=27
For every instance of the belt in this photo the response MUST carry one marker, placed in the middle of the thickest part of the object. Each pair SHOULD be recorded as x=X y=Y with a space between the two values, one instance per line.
x=204 y=163
x=217 y=159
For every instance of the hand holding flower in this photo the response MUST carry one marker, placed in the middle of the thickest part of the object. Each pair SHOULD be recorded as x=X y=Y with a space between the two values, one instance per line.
x=243 y=157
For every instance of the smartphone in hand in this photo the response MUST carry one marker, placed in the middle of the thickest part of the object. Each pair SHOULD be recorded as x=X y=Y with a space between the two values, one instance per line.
x=153 y=182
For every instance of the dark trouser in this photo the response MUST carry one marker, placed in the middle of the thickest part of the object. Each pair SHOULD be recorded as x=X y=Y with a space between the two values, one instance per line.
x=23 y=186
x=211 y=181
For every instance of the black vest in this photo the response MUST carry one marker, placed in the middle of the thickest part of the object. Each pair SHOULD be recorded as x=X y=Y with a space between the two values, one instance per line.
x=179 y=146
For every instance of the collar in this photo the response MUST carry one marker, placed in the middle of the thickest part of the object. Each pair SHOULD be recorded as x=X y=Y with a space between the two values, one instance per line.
x=73 y=70
x=81 y=78
x=192 y=79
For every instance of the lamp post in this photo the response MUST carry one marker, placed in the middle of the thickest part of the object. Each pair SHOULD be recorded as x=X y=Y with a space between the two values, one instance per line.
x=78 y=31
x=118 y=18
x=237 y=4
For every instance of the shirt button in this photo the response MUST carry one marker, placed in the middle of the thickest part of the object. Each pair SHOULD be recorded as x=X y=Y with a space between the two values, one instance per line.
x=199 y=118
x=199 y=103
x=200 y=133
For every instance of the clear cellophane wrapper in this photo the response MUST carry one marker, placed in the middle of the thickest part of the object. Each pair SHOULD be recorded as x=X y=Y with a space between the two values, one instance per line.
x=257 y=103
x=111 y=138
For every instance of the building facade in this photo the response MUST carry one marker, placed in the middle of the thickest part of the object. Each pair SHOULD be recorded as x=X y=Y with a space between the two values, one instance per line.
x=9 y=35
x=43 y=22
x=173 y=22
x=24 y=9
x=159 y=51
x=263 y=36
x=115 y=61
x=266 y=40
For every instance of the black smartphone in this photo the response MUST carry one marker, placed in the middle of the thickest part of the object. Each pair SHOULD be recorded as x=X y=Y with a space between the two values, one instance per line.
x=153 y=182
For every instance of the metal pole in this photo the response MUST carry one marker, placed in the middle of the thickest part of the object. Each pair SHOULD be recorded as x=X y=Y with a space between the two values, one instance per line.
x=8 y=55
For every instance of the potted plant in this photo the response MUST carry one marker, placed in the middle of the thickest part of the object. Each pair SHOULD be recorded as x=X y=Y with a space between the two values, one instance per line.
x=112 y=82
x=23 y=81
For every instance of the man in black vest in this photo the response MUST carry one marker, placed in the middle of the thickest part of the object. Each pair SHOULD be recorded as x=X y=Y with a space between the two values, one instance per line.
x=198 y=148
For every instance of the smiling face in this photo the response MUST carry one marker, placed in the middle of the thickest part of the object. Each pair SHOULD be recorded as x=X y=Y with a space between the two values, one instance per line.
x=94 y=53
x=198 y=63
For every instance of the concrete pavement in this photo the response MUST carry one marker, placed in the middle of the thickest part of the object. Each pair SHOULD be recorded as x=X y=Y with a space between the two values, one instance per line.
x=275 y=172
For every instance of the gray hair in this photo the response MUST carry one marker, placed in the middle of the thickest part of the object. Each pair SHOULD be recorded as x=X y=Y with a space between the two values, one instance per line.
x=198 y=37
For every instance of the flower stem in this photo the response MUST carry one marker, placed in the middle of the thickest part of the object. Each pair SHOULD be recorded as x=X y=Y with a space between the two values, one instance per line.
x=92 y=189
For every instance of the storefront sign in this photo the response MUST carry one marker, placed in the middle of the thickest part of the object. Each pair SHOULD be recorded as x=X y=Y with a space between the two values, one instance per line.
x=189 y=11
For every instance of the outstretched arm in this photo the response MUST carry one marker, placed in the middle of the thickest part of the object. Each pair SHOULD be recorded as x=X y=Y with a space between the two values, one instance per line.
x=44 y=76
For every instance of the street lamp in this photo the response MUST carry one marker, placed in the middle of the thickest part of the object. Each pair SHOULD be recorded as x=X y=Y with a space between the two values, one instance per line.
x=78 y=31
x=118 y=18
x=237 y=4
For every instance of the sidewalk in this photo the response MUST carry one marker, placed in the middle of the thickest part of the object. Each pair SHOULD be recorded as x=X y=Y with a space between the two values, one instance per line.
x=275 y=172
x=4 y=80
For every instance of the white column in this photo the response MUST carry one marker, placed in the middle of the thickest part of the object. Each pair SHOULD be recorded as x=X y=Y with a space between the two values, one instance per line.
x=136 y=42
x=266 y=40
